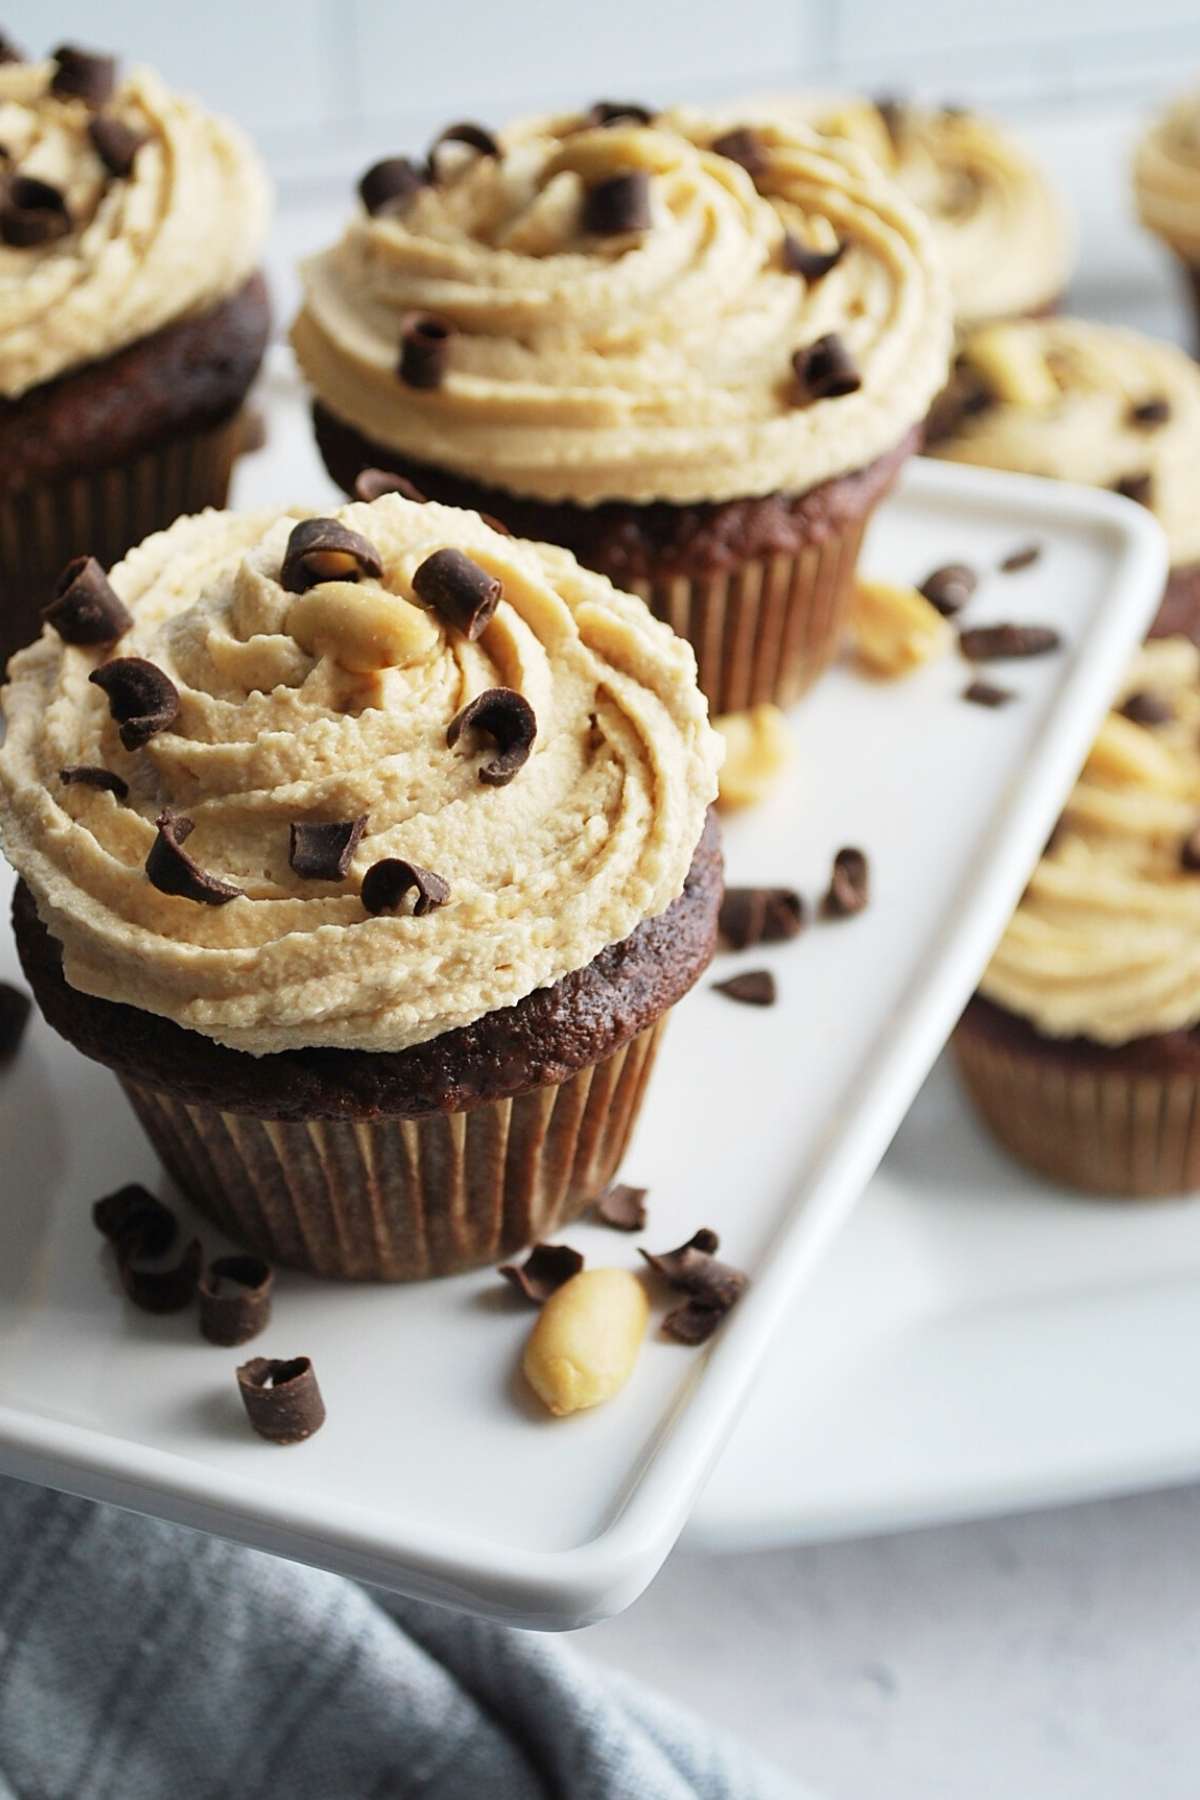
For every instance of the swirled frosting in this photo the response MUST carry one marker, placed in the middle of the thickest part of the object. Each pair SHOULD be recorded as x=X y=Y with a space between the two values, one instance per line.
x=1166 y=175
x=649 y=366
x=594 y=835
x=1085 y=428
x=1106 y=941
x=176 y=236
x=1000 y=228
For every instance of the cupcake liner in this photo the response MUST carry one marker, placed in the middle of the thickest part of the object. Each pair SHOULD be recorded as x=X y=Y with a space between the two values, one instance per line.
x=1107 y=1131
x=395 y=1199
x=102 y=514
x=765 y=630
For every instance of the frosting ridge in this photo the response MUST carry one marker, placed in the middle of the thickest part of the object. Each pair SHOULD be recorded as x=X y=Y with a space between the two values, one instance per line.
x=1166 y=174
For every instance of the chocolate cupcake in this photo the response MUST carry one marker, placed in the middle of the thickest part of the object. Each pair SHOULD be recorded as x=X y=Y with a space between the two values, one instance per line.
x=132 y=319
x=696 y=358
x=1001 y=229
x=370 y=853
x=1082 y=1049
x=1093 y=404
x=1166 y=177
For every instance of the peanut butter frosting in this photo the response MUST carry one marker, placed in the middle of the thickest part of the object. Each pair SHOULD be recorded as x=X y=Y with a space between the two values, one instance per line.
x=1166 y=176
x=652 y=364
x=1106 y=941
x=594 y=834
x=999 y=226
x=175 y=236
x=1082 y=402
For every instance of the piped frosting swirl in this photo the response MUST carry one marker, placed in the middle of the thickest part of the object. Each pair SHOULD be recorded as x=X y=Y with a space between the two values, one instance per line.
x=1167 y=177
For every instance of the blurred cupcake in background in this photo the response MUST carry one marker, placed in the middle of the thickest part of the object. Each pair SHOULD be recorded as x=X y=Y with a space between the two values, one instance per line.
x=1166 y=178
x=1082 y=1049
x=1090 y=403
x=696 y=356
x=132 y=319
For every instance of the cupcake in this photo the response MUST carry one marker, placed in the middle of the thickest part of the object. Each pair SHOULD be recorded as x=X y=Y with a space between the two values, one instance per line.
x=1166 y=176
x=371 y=854
x=1000 y=227
x=695 y=357
x=1082 y=1049
x=1088 y=403
x=132 y=319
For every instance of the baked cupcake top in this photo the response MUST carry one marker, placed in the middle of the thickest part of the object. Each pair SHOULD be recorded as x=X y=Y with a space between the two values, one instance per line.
x=123 y=208
x=417 y=790
x=1106 y=941
x=1081 y=402
x=1166 y=175
x=587 y=312
x=1000 y=227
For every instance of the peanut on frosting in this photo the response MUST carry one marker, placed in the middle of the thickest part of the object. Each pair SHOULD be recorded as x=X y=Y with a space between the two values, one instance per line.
x=621 y=316
x=1106 y=941
x=277 y=725
x=1166 y=177
x=177 y=234
x=1083 y=402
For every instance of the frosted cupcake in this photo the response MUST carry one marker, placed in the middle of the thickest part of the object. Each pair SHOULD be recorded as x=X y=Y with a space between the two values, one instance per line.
x=696 y=364
x=1082 y=1049
x=1166 y=175
x=1088 y=403
x=370 y=853
x=132 y=318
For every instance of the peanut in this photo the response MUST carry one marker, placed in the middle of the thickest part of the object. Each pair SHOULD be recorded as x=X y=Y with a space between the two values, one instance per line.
x=361 y=626
x=757 y=747
x=896 y=629
x=1011 y=361
x=586 y=1340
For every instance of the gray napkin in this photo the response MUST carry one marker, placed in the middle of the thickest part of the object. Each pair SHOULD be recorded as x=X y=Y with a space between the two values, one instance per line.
x=140 y=1661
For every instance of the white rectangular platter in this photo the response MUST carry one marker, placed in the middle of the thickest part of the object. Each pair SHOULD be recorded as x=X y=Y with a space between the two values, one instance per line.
x=435 y=1474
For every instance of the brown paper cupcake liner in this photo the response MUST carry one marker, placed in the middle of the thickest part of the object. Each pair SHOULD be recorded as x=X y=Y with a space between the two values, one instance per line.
x=1125 y=1133
x=102 y=514
x=396 y=1199
x=766 y=630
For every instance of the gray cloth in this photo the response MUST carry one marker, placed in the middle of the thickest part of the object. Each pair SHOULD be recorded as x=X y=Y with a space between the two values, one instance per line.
x=140 y=1661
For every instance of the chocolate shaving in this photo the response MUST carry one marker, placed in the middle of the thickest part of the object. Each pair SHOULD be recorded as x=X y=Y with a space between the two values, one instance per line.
x=475 y=137
x=801 y=259
x=83 y=75
x=1016 y=560
x=995 y=643
x=712 y=1286
x=495 y=524
x=159 y=1290
x=9 y=52
x=1189 y=851
x=32 y=212
x=622 y=1207
x=85 y=608
x=617 y=112
x=115 y=143
x=322 y=852
x=424 y=351
x=825 y=370
x=692 y=1322
x=617 y=205
x=754 y=987
x=985 y=693
x=373 y=484
x=135 y=1217
x=1149 y=413
x=744 y=147
x=282 y=1399
x=1145 y=708
x=1138 y=486
x=389 y=186
x=949 y=588
x=326 y=550
x=141 y=698
x=15 y=1008
x=849 y=885
x=171 y=870
x=543 y=1272
x=386 y=883
x=235 y=1299
x=508 y=718
x=760 y=915
x=459 y=591
x=90 y=775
